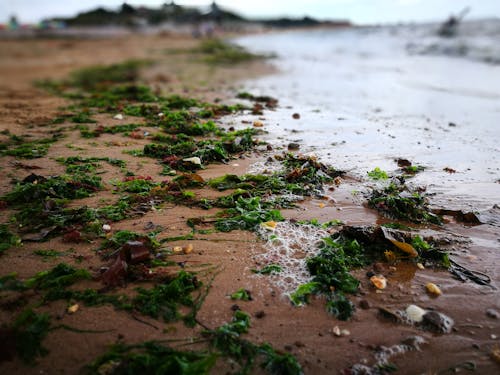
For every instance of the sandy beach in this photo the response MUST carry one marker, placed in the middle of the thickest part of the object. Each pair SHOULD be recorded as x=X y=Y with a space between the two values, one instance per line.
x=322 y=344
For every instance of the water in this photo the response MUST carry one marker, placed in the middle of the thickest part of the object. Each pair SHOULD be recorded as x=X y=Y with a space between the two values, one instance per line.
x=367 y=96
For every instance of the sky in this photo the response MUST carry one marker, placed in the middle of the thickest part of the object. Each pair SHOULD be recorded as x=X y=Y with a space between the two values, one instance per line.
x=358 y=11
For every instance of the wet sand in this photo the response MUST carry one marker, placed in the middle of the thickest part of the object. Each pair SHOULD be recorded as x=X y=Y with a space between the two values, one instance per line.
x=306 y=332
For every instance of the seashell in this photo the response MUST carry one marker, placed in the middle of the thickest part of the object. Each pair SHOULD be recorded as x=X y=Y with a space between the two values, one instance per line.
x=269 y=225
x=433 y=289
x=336 y=331
x=119 y=116
x=194 y=160
x=177 y=249
x=415 y=313
x=379 y=281
x=420 y=266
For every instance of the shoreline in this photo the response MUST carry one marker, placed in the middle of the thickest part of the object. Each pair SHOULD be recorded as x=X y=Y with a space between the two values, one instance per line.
x=306 y=332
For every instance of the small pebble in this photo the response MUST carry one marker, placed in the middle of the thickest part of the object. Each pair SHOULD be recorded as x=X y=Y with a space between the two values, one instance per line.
x=492 y=313
x=296 y=116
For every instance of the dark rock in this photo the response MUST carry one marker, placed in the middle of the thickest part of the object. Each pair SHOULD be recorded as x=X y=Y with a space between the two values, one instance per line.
x=437 y=322
x=364 y=304
x=492 y=313
x=293 y=146
x=296 y=116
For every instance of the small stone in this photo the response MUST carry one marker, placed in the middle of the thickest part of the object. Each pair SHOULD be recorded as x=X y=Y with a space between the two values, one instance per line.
x=106 y=227
x=258 y=124
x=364 y=304
x=420 y=266
x=73 y=309
x=299 y=344
x=379 y=281
x=433 y=289
x=293 y=146
x=492 y=313
x=296 y=116
x=260 y=314
x=187 y=249
x=119 y=116
x=336 y=331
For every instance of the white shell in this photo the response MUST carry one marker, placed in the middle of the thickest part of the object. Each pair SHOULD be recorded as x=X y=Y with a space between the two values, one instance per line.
x=415 y=313
x=194 y=160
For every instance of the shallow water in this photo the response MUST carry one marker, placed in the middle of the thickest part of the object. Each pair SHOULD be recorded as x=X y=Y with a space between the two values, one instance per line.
x=365 y=97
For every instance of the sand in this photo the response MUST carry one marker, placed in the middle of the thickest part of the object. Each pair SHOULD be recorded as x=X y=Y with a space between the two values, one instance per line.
x=306 y=332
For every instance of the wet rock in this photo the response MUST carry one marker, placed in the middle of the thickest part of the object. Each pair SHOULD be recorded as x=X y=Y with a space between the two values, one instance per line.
x=364 y=304
x=437 y=322
x=293 y=146
x=391 y=315
x=403 y=162
x=414 y=342
x=135 y=252
x=492 y=313
x=116 y=273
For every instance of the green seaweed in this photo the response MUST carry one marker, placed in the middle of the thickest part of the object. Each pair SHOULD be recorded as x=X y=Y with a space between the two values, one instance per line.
x=7 y=239
x=397 y=201
x=163 y=300
x=217 y=51
x=55 y=280
x=301 y=295
x=378 y=174
x=28 y=331
x=151 y=358
x=241 y=294
x=48 y=253
x=246 y=215
x=95 y=77
x=228 y=341
x=269 y=269
x=331 y=277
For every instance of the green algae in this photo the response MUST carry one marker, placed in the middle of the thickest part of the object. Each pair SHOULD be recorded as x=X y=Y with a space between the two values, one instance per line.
x=228 y=341
x=399 y=202
x=7 y=239
x=246 y=215
x=151 y=358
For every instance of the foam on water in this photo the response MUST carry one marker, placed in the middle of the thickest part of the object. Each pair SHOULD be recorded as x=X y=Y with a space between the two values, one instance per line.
x=289 y=245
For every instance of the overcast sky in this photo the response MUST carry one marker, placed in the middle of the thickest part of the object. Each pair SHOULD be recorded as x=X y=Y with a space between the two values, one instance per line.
x=358 y=11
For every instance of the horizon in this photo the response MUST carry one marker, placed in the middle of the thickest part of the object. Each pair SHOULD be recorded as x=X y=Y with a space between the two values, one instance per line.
x=357 y=11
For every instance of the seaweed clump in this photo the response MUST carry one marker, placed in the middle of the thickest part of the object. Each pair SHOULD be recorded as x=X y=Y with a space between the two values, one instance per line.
x=228 y=341
x=151 y=357
x=397 y=201
x=331 y=277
